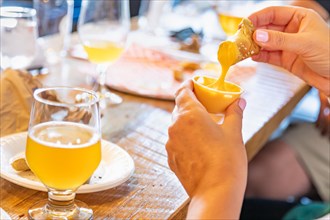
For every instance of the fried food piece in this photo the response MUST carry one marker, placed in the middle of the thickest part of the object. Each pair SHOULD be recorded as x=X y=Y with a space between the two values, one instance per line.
x=244 y=40
x=184 y=67
x=178 y=74
x=244 y=46
x=18 y=162
x=190 y=66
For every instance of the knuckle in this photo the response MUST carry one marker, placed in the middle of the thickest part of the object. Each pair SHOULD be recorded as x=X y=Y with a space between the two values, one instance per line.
x=188 y=119
x=168 y=149
x=170 y=164
x=310 y=12
x=183 y=118
x=171 y=131
x=183 y=122
x=279 y=39
x=236 y=109
x=181 y=91
x=178 y=92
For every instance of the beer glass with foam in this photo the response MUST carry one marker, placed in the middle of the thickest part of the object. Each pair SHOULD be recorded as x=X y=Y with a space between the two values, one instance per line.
x=63 y=149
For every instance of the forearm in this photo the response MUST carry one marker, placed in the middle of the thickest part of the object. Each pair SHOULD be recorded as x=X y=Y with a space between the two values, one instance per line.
x=220 y=202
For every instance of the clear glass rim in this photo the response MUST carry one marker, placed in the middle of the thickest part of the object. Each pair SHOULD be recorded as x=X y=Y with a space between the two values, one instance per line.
x=17 y=12
x=93 y=101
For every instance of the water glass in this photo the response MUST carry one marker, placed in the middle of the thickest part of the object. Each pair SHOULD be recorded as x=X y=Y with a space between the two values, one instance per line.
x=18 y=37
x=149 y=15
x=162 y=17
x=55 y=16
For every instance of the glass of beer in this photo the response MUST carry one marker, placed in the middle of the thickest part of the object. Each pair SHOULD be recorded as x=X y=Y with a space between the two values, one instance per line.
x=63 y=149
x=230 y=13
x=103 y=27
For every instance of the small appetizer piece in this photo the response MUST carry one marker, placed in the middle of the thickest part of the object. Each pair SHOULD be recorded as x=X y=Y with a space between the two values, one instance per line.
x=18 y=162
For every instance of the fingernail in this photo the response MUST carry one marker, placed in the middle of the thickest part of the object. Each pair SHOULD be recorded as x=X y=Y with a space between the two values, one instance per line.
x=242 y=104
x=262 y=36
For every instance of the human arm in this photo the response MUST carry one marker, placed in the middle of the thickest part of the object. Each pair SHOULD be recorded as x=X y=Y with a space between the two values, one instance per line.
x=296 y=39
x=209 y=159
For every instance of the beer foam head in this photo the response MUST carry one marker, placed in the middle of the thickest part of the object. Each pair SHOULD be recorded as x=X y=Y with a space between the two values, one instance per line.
x=64 y=135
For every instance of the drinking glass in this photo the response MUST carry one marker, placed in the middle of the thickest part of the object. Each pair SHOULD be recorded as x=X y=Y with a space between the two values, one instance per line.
x=103 y=27
x=149 y=15
x=18 y=37
x=55 y=16
x=230 y=13
x=63 y=149
x=163 y=17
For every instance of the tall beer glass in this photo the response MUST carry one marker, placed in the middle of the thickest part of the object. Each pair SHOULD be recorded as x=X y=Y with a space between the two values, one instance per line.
x=63 y=148
x=103 y=27
x=18 y=37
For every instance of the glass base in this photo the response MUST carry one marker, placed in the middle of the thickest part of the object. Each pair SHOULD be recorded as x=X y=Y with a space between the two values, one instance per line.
x=42 y=210
x=108 y=98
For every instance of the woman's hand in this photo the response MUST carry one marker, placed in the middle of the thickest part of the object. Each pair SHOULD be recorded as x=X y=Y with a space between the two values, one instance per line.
x=209 y=159
x=298 y=40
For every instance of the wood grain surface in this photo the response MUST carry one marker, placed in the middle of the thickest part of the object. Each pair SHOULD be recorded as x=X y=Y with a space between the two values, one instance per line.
x=139 y=125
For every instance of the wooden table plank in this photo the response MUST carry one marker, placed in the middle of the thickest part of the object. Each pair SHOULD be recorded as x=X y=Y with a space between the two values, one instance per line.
x=139 y=126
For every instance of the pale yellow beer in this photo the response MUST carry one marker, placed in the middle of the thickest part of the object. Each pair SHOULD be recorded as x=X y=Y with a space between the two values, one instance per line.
x=63 y=155
x=100 y=51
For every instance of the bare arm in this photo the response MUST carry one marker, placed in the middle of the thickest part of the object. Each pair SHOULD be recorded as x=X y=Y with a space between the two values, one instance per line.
x=209 y=159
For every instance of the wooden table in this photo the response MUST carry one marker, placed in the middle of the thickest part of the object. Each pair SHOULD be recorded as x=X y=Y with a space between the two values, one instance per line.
x=139 y=125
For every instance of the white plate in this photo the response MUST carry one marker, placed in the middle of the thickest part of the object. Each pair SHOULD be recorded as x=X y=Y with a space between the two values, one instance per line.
x=115 y=168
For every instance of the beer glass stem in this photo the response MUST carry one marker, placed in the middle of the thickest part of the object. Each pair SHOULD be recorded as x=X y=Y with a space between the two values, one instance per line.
x=61 y=203
x=106 y=97
x=101 y=70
